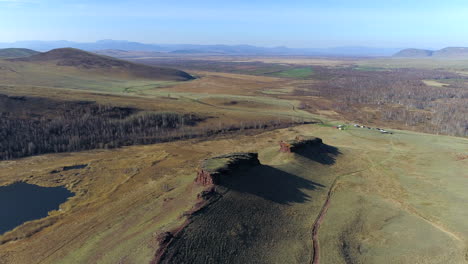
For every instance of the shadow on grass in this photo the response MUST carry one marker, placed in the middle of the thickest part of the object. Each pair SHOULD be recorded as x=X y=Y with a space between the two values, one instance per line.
x=271 y=184
x=235 y=228
x=324 y=154
x=279 y=186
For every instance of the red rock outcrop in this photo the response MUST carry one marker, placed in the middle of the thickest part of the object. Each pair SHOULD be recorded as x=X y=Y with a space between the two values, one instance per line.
x=213 y=169
x=298 y=143
x=204 y=178
x=285 y=146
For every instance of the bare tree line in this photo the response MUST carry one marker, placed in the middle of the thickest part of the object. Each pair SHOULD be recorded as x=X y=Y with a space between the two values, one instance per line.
x=32 y=126
x=75 y=132
x=399 y=95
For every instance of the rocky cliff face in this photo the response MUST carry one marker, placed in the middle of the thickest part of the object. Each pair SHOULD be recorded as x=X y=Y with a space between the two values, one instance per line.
x=298 y=143
x=204 y=178
x=210 y=174
x=214 y=169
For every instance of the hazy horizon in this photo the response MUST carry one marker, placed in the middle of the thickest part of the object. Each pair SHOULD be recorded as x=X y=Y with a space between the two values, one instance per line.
x=207 y=44
x=295 y=24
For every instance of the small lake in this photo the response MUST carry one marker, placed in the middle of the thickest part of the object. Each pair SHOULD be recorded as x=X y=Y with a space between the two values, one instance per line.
x=21 y=202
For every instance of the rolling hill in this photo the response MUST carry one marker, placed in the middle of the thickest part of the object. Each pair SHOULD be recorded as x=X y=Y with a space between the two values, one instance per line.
x=452 y=52
x=104 y=65
x=16 y=53
x=414 y=53
x=445 y=53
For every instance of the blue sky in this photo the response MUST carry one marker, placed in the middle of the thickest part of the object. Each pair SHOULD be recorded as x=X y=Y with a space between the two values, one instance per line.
x=292 y=23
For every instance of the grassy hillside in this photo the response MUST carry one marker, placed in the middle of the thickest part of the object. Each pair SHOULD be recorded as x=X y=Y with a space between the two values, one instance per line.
x=16 y=53
x=379 y=185
x=394 y=199
x=89 y=61
x=452 y=52
x=75 y=69
x=377 y=198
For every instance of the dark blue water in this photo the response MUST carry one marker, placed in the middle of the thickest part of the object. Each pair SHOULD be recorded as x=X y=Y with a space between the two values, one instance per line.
x=21 y=202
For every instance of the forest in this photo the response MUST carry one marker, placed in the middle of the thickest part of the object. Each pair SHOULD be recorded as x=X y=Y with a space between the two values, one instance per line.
x=75 y=126
x=398 y=95
x=32 y=126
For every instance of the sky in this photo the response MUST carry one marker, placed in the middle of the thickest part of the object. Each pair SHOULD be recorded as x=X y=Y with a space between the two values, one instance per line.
x=292 y=23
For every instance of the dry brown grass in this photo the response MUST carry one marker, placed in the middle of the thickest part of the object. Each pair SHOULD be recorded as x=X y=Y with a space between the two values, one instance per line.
x=435 y=83
x=301 y=61
x=123 y=198
x=387 y=185
x=126 y=197
x=226 y=83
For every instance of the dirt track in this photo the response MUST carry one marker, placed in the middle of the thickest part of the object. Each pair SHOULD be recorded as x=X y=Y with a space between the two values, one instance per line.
x=316 y=226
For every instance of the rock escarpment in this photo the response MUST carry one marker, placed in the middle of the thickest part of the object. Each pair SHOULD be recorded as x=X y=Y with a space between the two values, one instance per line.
x=210 y=174
x=300 y=142
x=214 y=169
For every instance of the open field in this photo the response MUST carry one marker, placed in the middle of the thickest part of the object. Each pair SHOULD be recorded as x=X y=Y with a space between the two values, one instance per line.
x=363 y=90
x=295 y=73
x=450 y=64
x=382 y=186
x=435 y=83
x=182 y=97
x=26 y=74
x=297 y=60
x=368 y=197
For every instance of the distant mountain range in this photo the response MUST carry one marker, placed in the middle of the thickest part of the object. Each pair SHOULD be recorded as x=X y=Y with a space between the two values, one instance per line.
x=446 y=53
x=127 y=54
x=122 y=45
x=128 y=49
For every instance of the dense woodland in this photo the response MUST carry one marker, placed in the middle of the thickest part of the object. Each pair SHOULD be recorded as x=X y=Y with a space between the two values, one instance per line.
x=74 y=126
x=31 y=126
x=399 y=95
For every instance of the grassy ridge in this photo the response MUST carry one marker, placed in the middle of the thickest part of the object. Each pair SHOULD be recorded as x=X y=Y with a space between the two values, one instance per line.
x=49 y=76
x=76 y=69
x=16 y=53
x=94 y=63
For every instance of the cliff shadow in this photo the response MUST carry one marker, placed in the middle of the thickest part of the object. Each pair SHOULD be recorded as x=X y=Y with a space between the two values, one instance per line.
x=272 y=184
x=323 y=154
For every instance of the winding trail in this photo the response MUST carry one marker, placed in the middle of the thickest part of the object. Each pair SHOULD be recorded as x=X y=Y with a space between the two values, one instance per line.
x=318 y=221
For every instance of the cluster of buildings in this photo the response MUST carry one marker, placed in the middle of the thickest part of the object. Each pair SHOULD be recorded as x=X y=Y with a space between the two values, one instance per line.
x=383 y=131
